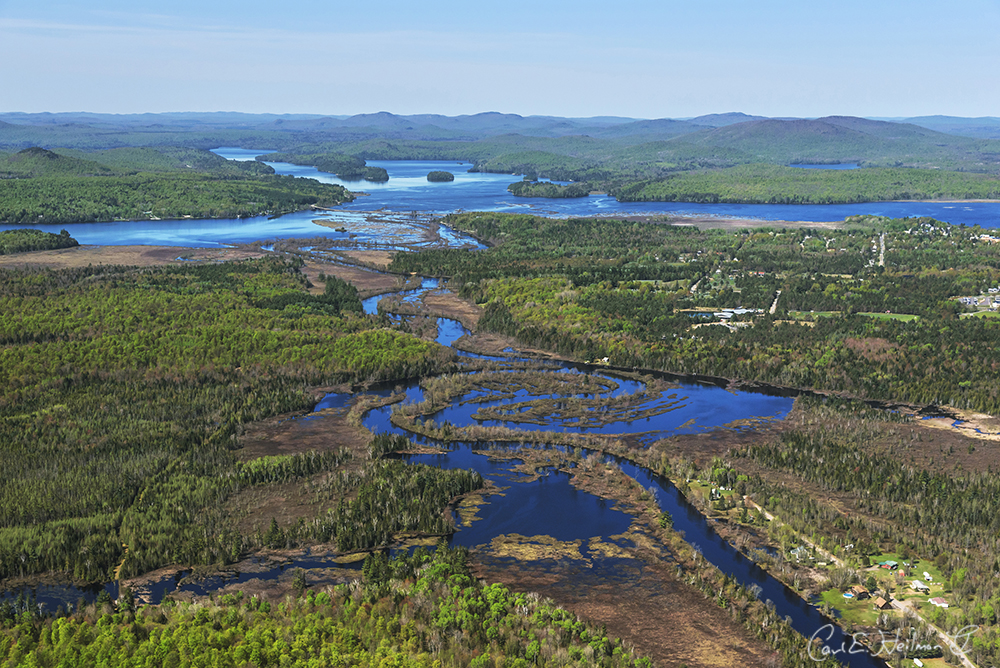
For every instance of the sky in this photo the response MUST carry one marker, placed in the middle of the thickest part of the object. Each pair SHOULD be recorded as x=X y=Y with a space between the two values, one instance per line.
x=661 y=59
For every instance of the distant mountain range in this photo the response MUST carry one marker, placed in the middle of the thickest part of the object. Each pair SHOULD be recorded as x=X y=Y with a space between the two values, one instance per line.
x=595 y=149
x=475 y=126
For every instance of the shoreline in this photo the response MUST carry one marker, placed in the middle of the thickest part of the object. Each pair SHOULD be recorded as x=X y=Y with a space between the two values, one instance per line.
x=622 y=214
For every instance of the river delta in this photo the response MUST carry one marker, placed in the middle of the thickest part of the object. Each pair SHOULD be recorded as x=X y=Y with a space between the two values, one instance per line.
x=542 y=428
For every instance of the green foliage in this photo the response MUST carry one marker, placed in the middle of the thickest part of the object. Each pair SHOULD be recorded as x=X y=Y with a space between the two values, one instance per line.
x=546 y=189
x=76 y=199
x=586 y=251
x=395 y=497
x=423 y=610
x=375 y=174
x=37 y=161
x=169 y=159
x=343 y=293
x=283 y=468
x=438 y=176
x=338 y=295
x=25 y=240
x=773 y=184
x=385 y=443
x=123 y=390
x=945 y=517
x=627 y=291
x=609 y=155
x=346 y=167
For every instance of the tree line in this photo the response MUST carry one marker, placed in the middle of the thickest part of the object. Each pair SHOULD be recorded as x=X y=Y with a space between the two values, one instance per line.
x=88 y=199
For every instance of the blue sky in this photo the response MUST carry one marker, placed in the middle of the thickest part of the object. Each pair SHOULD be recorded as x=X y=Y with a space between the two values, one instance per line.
x=637 y=59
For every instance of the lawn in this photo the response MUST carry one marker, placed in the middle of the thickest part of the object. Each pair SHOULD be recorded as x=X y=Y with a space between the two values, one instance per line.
x=913 y=572
x=861 y=613
x=800 y=315
x=905 y=317
x=980 y=314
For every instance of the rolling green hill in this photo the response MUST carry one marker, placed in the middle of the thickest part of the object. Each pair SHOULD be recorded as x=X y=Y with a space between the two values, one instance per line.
x=167 y=159
x=87 y=199
x=614 y=154
x=844 y=139
x=773 y=184
x=40 y=162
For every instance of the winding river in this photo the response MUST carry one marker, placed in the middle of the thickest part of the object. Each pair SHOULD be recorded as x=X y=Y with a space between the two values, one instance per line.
x=546 y=506
x=550 y=506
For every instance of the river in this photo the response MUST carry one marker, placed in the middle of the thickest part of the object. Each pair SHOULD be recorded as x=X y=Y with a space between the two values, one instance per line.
x=408 y=193
x=550 y=505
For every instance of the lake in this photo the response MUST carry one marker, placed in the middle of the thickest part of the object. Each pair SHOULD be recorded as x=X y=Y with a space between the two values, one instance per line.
x=408 y=193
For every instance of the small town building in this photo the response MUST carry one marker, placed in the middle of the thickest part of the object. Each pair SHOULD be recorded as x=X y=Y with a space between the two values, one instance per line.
x=888 y=565
x=859 y=592
x=882 y=604
x=939 y=602
x=800 y=553
x=917 y=585
x=927 y=576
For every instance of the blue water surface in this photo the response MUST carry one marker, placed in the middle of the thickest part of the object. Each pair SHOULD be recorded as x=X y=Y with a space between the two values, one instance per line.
x=408 y=190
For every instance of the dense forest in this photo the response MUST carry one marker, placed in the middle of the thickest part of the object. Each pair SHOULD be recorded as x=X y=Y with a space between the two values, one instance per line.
x=547 y=189
x=124 y=390
x=772 y=184
x=421 y=610
x=664 y=159
x=346 y=167
x=37 y=161
x=633 y=292
x=78 y=199
x=41 y=186
x=26 y=240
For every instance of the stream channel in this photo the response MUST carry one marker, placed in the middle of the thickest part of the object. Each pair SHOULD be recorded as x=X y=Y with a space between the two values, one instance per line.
x=548 y=506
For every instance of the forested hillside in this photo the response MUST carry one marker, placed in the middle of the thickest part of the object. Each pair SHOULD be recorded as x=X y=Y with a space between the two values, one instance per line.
x=79 y=199
x=639 y=159
x=771 y=184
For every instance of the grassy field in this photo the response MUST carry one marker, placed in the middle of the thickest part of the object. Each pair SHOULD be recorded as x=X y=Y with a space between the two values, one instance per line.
x=916 y=568
x=980 y=314
x=905 y=317
x=801 y=315
x=861 y=613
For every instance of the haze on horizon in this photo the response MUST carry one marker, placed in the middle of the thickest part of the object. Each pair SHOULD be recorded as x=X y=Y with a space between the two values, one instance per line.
x=581 y=59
